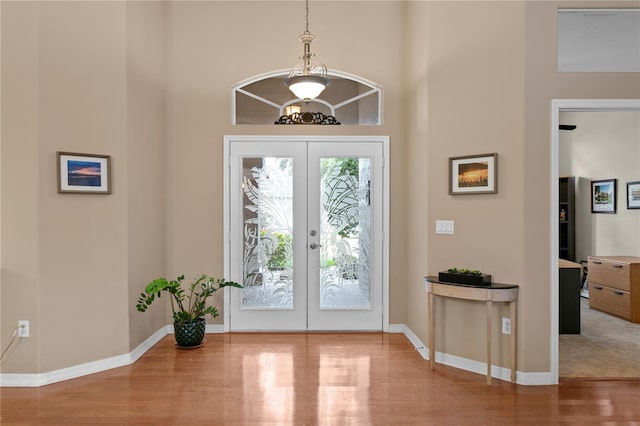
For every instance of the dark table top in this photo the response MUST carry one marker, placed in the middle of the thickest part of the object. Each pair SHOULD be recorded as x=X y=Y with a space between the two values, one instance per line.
x=493 y=286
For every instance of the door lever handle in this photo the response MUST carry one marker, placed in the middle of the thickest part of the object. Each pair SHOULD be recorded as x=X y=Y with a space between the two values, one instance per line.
x=314 y=245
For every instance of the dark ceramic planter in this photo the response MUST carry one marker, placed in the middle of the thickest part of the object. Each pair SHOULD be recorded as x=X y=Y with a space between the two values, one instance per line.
x=189 y=334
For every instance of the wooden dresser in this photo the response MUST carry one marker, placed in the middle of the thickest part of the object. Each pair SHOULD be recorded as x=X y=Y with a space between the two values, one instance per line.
x=614 y=285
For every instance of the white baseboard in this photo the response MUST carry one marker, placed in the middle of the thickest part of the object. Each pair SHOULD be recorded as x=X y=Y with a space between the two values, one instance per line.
x=148 y=344
x=522 y=378
x=215 y=328
x=415 y=341
x=534 y=379
x=35 y=380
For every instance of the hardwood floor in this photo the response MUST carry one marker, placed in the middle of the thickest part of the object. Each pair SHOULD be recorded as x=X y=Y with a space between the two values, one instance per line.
x=309 y=379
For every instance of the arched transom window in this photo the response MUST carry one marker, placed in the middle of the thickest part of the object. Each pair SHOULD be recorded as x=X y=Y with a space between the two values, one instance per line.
x=264 y=99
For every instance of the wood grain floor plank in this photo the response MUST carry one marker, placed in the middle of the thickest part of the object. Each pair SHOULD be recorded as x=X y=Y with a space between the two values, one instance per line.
x=310 y=379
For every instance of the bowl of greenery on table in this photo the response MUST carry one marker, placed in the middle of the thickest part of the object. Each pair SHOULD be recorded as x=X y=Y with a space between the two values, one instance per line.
x=465 y=276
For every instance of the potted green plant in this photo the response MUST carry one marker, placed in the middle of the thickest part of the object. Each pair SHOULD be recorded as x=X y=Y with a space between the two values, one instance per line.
x=189 y=305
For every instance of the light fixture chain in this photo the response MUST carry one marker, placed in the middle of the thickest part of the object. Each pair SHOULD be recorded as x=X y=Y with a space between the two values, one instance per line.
x=306 y=30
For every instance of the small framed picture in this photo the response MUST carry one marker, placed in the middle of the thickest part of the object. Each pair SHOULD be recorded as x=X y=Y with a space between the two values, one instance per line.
x=84 y=173
x=633 y=195
x=603 y=196
x=473 y=174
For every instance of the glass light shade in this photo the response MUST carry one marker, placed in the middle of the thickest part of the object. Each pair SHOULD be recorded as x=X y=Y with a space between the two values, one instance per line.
x=307 y=87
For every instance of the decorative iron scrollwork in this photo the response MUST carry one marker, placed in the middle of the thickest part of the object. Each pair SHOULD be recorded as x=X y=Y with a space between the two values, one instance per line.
x=308 y=118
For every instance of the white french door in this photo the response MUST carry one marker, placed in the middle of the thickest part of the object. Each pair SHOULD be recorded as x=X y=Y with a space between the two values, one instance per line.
x=306 y=234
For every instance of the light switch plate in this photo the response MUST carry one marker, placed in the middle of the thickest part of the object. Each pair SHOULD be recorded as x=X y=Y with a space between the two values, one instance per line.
x=444 y=227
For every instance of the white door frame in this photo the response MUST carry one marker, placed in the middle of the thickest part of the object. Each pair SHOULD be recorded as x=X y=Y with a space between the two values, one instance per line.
x=558 y=105
x=275 y=138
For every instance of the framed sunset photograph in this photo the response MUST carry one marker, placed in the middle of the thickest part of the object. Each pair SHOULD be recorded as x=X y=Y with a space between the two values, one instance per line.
x=84 y=173
x=603 y=196
x=473 y=174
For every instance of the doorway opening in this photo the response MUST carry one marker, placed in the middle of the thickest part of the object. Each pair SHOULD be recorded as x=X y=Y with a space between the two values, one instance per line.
x=558 y=106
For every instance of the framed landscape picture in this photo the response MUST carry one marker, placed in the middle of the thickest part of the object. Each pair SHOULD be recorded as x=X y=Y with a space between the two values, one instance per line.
x=603 y=196
x=84 y=173
x=633 y=195
x=473 y=174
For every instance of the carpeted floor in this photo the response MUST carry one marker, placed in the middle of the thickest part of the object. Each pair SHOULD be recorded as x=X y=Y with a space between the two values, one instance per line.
x=608 y=347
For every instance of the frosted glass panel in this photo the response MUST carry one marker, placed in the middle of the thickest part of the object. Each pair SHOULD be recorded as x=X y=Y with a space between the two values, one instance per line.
x=345 y=233
x=268 y=233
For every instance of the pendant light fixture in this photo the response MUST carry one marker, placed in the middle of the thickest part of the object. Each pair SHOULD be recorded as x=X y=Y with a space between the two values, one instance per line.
x=309 y=77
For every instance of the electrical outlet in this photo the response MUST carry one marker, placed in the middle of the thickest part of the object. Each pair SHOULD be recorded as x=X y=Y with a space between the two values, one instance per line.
x=506 y=325
x=23 y=328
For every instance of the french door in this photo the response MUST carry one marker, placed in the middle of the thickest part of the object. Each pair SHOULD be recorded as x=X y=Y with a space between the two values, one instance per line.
x=306 y=234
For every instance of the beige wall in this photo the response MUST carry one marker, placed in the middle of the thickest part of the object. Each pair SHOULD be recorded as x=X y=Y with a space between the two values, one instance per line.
x=146 y=174
x=605 y=145
x=418 y=165
x=82 y=239
x=72 y=264
x=150 y=83
x=76 y=90
x=20 y=285
x=204 y=63
x=542 y=84
x=491 y=76
x=475 y=101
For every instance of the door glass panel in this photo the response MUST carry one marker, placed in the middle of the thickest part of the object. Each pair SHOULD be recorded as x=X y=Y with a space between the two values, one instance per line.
x=267 y=186
x=345 y=233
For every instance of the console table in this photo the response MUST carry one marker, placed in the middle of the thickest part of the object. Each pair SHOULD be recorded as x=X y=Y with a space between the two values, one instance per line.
x=494 y=293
